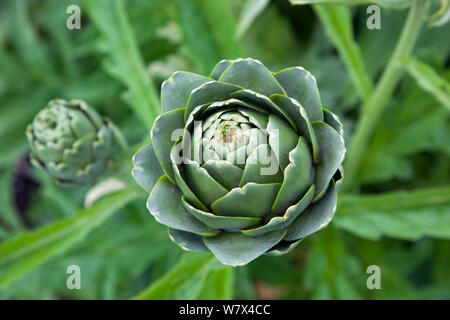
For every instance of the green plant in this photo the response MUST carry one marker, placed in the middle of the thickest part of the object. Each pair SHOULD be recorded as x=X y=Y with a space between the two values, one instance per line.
x=243 y=162
x=389 y=87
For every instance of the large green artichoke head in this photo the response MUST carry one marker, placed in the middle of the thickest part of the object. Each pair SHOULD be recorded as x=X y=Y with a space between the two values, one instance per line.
x=70 y=141
x=243 y=162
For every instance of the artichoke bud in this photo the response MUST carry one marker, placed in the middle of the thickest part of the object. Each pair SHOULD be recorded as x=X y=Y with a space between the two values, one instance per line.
x=70 y=141
x=244 y=162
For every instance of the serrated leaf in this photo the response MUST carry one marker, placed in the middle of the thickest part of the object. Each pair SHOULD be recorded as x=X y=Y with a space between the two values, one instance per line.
x=411 y=124
x=429 y=80
x=124 y=60
x=406 y=215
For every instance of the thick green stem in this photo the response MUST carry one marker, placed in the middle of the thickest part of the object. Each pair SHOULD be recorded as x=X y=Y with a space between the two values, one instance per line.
x=376 y=103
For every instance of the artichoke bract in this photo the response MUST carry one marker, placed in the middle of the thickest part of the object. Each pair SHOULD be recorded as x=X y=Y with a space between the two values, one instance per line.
x=242 y=163
x=70 y=142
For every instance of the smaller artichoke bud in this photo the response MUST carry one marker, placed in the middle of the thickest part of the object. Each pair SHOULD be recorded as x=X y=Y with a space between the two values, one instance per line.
x=70 y=141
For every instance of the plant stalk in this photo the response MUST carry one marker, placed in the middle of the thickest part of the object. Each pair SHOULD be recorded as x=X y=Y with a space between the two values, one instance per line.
x=376 y=103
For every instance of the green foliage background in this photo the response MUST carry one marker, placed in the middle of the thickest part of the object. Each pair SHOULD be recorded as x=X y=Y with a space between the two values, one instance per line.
x=395 y=212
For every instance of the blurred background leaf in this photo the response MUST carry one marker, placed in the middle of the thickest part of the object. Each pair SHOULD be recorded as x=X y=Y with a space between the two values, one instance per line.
x=29 y=250
x=384 y=3
x=208 y=30
x=195 y=276
x=250 y=12
x=407 y=215
x=427 y=78
x=125 y=61
x=338 y=26
x=441 y=16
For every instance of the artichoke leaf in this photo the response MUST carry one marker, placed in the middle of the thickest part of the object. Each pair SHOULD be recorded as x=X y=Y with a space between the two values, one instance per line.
x=224 y=172
x=181 y=180
x=257 y=118
x=291 y=214
x=187 y=241
x=297 y=177
x=333 y=120
x=283 y=247
x=165 y=204
x=101 y=146
x=261 y=167
x=282 y=139
x=202 y=184
x=163 y=140
x=146 y=170
x=90 y=113
x=48 y=152
x=209 y=92
x=302 y=122
x=237 y=157
x=213 y=108
x=331 y=155
x=252 y=74
x=220 y=68
x=261 y=102
x=211 y=121
x=236 y=249
x=252 y=200
x=61 y=171
x=339 y=177
x=90 y=172
x=315 y=218
x=235 y=116
x=221 y=222
x=79 y=127
x=80 y=153
x=175 y=91
x=301 y=85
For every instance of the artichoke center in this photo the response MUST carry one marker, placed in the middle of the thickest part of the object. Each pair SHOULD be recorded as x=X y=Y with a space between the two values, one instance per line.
x=226 y=136
x=50 y=125
x=229 y=135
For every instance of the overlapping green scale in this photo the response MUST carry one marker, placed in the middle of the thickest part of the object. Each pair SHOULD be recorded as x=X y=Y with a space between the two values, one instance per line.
x=70 y=141
x=255 y=167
